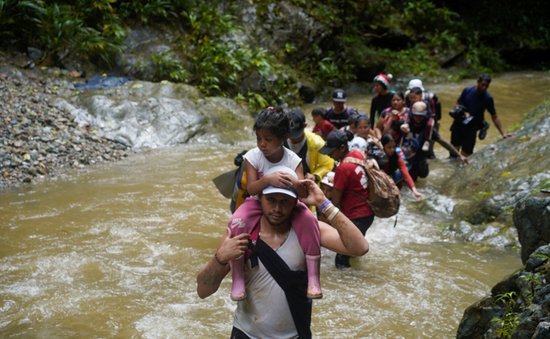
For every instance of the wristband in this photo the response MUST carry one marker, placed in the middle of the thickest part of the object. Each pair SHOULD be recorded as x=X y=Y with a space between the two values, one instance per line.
x=333 y=214
x=324 y=205
x=218 y=260
x=325 y=210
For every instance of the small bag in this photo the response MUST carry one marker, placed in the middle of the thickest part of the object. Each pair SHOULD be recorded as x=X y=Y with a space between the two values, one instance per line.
x=384 y=195
x=377 y=154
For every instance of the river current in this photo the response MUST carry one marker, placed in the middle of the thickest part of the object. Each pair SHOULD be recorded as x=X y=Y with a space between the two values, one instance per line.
x=113 y=251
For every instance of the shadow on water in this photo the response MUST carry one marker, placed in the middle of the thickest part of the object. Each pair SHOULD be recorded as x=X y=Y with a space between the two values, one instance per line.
x=114 y=250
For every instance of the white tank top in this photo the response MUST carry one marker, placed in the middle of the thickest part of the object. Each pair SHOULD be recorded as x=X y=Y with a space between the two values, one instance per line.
x=265 y=314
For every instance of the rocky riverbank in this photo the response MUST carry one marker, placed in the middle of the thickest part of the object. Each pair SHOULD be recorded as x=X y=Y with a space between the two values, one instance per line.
x=38 y=139
x=519 y=306
x=48 y=126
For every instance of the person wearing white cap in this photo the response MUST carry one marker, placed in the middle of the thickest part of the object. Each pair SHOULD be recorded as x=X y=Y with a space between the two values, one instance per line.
x=417 y=124
x=429 y=96
x=276 y=305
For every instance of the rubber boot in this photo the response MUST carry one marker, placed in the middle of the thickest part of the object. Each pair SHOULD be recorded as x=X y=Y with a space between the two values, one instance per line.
x=313 y=272
x=238 y=291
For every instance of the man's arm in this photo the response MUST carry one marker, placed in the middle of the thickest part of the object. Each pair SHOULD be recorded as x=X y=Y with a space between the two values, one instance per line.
x=498 y=124
x=453 y=150
x=211 y=276
x=345 y=237
x=337 y=197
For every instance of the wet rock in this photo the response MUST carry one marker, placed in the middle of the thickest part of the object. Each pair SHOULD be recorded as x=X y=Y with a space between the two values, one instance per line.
x=532 y=220
x=478 y=318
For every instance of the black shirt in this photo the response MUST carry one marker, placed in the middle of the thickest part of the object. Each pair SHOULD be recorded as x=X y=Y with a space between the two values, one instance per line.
x=339 y=120
x=378 y=104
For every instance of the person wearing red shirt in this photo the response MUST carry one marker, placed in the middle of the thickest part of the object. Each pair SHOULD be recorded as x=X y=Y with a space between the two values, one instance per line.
x=322 y=126
x=350 y=181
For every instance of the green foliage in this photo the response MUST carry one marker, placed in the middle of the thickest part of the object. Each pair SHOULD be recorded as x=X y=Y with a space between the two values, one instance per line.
x=220 y=60
x=146 y=10
x=254 y=101
x=167 y=68
x=16 y=17
x=545 y=186
x=413 y=61
x=483 y=195
x=222 y=63
x=64 y=34
x=510 y=321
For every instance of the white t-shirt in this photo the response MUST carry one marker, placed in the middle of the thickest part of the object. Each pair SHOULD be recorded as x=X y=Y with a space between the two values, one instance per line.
x=258 y=160
x=265 y=313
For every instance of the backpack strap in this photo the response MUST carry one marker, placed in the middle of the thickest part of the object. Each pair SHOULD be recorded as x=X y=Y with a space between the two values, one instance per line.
x=293 y=283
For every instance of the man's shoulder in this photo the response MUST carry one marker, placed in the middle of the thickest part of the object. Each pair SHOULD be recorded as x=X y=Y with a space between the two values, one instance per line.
x=469 y=89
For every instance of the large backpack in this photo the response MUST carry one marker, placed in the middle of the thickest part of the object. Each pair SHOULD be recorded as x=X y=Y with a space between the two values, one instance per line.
x=384 y=195
x=239 y=193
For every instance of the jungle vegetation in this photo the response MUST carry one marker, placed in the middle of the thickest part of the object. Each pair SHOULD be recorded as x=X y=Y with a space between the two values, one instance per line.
x=402 y=37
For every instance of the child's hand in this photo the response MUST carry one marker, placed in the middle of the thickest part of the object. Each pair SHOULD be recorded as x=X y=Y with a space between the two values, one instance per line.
x=281 y=179
x=395 y=114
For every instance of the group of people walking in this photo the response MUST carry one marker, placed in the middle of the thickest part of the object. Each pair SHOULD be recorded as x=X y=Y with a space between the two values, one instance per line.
x=300 y=190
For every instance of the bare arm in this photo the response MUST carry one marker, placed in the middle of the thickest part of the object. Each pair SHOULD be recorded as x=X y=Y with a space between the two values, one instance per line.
x=379 y=127
x=337 y=197
x=279 y=179
x=387 y=124
x=211 y=276
x=345 y=237
x=453 y=150
x=298 y=187
x=498 y=124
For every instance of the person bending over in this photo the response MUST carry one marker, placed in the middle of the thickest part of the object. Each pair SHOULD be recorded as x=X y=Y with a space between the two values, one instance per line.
x=396 y=167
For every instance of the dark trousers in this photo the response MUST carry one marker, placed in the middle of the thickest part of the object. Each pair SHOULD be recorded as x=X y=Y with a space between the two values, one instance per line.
x=463 y=137
x=363 y=225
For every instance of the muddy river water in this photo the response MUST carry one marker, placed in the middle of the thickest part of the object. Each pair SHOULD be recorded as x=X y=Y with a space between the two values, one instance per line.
x=113 y=251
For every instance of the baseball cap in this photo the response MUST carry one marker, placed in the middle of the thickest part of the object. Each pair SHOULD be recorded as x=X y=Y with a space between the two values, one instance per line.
x=326 y=178
x=339 y=95
x=334 y=139
x=297 y=116
x=270 y=189
x=415 y=83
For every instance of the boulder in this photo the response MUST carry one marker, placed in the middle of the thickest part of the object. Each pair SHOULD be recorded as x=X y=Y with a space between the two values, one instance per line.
x=519 y=305
x=144 y=114
x=532 y=220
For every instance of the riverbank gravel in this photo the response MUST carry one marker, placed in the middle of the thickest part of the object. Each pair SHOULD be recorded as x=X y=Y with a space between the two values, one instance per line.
x=39 y=140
